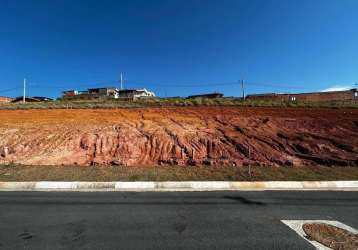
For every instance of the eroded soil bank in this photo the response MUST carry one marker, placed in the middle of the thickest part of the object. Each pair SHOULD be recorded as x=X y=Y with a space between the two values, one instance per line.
x=180 y=136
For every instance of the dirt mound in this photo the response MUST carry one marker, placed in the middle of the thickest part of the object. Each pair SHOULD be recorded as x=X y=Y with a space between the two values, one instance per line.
x=331 y=236
x=181 y=136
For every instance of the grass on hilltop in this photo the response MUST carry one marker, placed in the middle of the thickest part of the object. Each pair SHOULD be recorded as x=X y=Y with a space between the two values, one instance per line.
x=175 y=173
x=168 y=102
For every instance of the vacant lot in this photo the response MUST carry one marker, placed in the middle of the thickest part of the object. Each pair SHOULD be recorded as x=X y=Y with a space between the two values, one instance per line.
x=198 y=173
x=212 y=136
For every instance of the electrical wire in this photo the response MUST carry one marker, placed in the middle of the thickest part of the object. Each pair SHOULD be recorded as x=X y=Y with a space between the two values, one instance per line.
x=9 y=90
x=62 y=86
x=167 y=85
x=176 y=85
x=185 y=85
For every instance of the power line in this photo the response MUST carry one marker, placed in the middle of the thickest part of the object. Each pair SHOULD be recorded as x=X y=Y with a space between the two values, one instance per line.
x=166 y=85
x=35 y=85
x=9 y=90
x=185 y=85
x=62 y=86
x=217 y=84
x=273 y=85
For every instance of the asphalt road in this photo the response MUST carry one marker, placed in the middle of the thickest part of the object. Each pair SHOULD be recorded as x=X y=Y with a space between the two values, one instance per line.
x=199 y=220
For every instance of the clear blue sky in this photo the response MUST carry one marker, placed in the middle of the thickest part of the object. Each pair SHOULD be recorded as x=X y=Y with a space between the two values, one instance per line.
x=167 y=46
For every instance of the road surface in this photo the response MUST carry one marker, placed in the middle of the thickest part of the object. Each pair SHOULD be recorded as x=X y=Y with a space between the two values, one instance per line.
x=177 y=220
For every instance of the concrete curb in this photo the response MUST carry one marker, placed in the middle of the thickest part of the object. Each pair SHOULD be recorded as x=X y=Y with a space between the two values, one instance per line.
x=180 y=186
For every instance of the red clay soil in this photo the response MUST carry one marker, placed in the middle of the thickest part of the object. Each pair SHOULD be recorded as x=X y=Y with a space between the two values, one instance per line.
x=331 y=236
x=181 y=136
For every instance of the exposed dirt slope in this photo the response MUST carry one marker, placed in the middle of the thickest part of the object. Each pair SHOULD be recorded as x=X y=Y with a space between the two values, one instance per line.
x=202 y=135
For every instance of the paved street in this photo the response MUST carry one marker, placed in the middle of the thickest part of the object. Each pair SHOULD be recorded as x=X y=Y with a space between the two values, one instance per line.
x=178 y=220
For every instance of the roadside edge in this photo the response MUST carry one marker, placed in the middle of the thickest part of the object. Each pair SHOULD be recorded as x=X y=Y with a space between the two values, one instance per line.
x=180 y=186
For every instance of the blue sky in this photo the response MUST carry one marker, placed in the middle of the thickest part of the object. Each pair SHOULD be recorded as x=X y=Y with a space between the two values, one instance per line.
x=178 y=47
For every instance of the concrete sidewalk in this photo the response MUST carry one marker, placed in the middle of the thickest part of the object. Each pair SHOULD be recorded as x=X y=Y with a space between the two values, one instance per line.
x=180 y=186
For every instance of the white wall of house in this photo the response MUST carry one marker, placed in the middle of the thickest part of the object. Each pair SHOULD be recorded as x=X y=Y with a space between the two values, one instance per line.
x=143 y=93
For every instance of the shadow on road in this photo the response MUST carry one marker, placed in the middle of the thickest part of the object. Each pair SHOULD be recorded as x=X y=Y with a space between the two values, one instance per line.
x=243 y=200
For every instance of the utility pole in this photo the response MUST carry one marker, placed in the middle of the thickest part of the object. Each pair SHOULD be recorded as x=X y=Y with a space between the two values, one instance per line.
x=121 y=81
x=24 y=94
x=243 y=90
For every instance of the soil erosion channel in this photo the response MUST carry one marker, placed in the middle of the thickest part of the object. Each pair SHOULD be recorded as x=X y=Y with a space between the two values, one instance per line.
x=180 y=136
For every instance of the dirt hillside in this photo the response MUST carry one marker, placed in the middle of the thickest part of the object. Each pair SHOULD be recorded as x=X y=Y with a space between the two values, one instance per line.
x=181 y=136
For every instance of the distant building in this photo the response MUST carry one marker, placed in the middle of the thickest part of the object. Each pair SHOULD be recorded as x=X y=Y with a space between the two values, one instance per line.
x=31 y=99
x=135 y=93
x=93 y=93
x=210 y=95
x=268 y=97
x=4 y=99
x=110 y=92
x=73 y=93
x=346 y=95
x=70 y=93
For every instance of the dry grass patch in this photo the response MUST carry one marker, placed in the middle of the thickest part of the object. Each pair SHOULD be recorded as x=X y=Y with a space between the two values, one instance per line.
x=175 y=173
